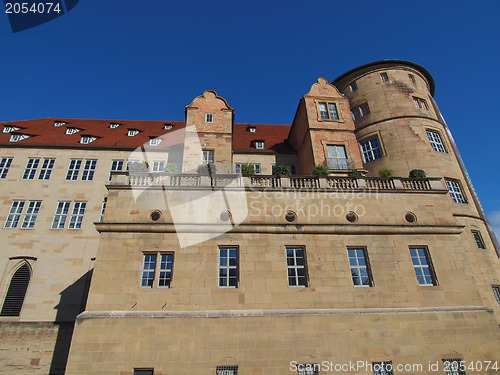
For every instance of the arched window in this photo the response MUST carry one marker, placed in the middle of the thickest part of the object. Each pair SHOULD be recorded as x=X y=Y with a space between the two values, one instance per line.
x=16 y=292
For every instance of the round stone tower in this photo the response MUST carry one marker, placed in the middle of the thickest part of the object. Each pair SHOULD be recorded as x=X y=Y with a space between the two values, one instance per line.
x=399 y=126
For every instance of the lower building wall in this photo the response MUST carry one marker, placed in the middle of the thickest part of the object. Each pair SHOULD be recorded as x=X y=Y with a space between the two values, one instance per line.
x=118 y=342
x=34 y=347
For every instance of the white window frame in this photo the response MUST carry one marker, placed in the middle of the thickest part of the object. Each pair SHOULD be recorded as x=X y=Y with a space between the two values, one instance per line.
x=154 y=141
x=252 y=129
x=207 y=157
x=76 y=219
x=420 y=103
x=10 y=128
x=61 y=214
x=5 y=163
x=226 y=370
x=148 y=272
x=237 y=167
x=15 y=212
x=384 y=77
x=17 y=137
x=46 y=168
x=89 y=169
x=31 y=214
x=209 y=118
x=359 y=266
x=114 y=125
x=58 y=124
x=259 y=145
x=456 y=192
x=418 y=255
x=158 y=166
x=31 y=168
x=87 y=139
x=336 y=160
x=116 y=166
x=103 y=209
x=165 y=273
x=132 y=132
x=293 y=264
x=73 y=169
x=228 y=264
x=371 y=149
x=435 y=140
x=70 y=131
x=168 y=126
x=160 y=269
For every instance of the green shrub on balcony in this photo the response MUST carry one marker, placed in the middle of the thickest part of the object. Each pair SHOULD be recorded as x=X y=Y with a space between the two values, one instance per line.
x=282 y=170
x=171 y=168
x=354 y=173
x=319 y=170
x=138 y=167
x=247 y=169
x=417 y=173
x=207 y=169
x=385 y=172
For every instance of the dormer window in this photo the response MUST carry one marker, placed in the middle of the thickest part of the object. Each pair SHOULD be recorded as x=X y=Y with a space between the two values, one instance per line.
x=58 y=124
x=86 y=139
x=154 y=141
x=252 y=129
x=209 y=117
x=259 y=145
x=114 y=125
x=168 y=126
x=70 y=131
x=16 y=137
x=132 y=132
x=10 y=128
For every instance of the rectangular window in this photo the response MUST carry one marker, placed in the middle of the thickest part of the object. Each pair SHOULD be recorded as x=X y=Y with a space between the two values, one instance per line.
x=103 y=209
x=154 y=141
x=166 y=267
x=132 y=132
x=144 y=372
x=158 y=166
x=227 y=370
x=209 y=117
x=296 y=266
x=228 y=267
x=46 y=169
x=371 y=149
x=208 y=157
x=61 y=215
x=75 y=221
x=354 y=86
x=4 y=167
x=420 y=103
x=360 y=268
x=256 y=168
x=31 y=214
x=478 y=239
x=89 y=170
x=337 y=157
x=423 y=266
x=436 y=141
x=31 y=167
x=308 y=369
x=360 y=111
x=382 y=368
x=496 y=292
x=148 y=270
x=328 y=111
x=73 y=169
x=116 y=166
x=454 y=366
x=87 y=139
x=456 y=192
x=259 y=145
x=384 y=77
x=14 y=214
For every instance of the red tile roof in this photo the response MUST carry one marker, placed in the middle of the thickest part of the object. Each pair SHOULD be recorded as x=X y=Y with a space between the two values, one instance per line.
x=44 y=134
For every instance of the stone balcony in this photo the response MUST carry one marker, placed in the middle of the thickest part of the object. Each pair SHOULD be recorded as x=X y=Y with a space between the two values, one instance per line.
x=277 y=182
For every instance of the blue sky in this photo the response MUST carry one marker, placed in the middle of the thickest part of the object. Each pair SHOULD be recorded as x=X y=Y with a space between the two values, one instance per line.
x=147 y=59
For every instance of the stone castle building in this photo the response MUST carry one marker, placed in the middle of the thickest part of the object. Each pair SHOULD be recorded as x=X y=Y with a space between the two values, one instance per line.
x=146 y=247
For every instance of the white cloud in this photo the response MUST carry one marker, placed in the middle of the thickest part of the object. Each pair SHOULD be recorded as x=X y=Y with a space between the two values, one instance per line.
x=494 y=218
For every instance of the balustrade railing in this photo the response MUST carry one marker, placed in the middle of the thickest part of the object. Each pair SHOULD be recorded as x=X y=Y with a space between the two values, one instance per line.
x=266 y=181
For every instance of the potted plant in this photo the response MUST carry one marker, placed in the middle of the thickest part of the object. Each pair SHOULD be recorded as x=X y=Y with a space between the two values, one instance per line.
x=385 y=172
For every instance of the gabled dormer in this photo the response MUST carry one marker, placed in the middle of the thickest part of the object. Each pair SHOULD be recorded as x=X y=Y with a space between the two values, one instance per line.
x=10 y=128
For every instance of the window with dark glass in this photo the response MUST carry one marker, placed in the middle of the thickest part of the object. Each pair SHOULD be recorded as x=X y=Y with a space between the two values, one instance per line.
x=228 y=267
x=296 y=266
